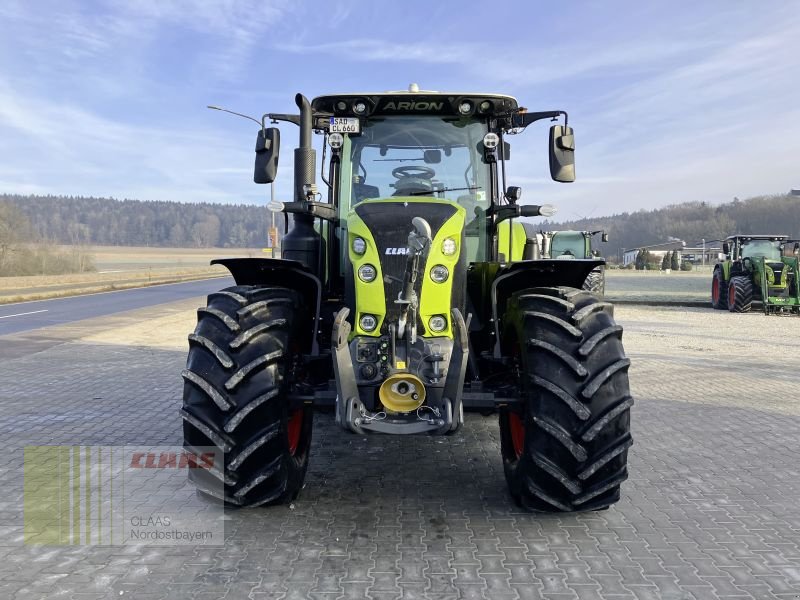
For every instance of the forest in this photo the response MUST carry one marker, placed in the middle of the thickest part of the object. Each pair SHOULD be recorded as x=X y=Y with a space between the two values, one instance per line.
x=105 y=221
x=110 y=222
x=693 y=222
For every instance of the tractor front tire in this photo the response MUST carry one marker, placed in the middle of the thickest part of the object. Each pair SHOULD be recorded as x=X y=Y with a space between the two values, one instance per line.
x=236 y=397
x=565 y=446
x=740 y=294
x=719 y=291
x=595 y=282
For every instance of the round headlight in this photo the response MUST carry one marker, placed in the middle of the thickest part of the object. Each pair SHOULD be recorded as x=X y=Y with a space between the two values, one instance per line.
x=359 y=245
x=439 y=273
x=336 y=140
x=359 y=108
x=368 y=322
x=437 y=323
x=367 y=273
x=464 y=108
x=449 y=247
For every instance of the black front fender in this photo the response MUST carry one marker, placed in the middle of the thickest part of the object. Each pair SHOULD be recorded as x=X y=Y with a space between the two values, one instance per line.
x=492 y=284
x=281 y=273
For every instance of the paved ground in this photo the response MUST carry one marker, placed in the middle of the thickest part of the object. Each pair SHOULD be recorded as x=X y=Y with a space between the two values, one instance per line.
x=712 y=509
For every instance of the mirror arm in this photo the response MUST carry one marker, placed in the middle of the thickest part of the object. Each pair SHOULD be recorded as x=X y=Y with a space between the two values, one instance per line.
x=524 y=119
x=275 y=117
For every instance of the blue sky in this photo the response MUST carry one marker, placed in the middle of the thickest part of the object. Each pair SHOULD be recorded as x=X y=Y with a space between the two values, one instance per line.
x=671 y=101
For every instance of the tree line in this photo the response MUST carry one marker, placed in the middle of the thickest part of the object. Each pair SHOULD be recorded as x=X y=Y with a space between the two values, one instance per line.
x=23 y=252
x=106 y=221
x=111 y=222
x=692 y=222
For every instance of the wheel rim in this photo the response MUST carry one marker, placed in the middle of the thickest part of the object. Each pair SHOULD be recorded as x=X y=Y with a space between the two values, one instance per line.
x=715 y=291
x=517 y=430
x=293 y=430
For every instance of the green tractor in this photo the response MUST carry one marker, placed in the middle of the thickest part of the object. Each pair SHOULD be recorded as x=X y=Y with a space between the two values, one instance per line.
x=577 y=245
x=755 y=269
x=403 y=300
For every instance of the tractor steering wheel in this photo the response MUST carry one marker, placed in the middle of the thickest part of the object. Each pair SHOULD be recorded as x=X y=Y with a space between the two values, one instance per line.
x=412 y=180
x=414 y=171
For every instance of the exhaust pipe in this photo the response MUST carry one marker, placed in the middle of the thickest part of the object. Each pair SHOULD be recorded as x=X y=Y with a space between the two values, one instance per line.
x=303 y=243
x=305 y=157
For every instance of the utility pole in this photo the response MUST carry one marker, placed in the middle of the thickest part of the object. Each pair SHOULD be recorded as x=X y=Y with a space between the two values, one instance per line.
x=704 y=253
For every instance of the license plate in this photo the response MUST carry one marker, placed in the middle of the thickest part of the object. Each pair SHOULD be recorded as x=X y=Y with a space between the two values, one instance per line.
x=344 y=125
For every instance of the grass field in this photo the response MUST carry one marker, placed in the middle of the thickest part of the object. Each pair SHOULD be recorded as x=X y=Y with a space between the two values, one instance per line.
x=120 y=267
x=658 y=286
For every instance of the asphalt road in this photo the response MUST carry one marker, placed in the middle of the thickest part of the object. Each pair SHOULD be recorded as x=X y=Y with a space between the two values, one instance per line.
x=24 y=316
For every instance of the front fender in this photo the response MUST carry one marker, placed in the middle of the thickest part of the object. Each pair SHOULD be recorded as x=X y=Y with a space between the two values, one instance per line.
x=281 y=273
x=492 y=284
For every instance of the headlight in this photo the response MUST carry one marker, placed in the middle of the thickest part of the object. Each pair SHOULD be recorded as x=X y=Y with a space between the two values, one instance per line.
x=437 y=323
x=359 y=245
x=367 y=273
x=439 y=273
x=449 y=247
x=368 y=322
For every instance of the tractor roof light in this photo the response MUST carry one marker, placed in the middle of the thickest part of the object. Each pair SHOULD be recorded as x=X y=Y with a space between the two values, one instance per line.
x=439 y=273
x=368 y=322
x=449 y=247
x=359 y=107
x=367 y=273
x=359 y=245
x=465 y=107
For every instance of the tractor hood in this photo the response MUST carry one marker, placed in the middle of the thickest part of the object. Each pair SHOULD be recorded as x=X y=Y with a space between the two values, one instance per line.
x=384 y=226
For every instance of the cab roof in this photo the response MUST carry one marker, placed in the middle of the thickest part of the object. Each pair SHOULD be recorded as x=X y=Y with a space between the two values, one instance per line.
x=415 y=101
x=747 y=238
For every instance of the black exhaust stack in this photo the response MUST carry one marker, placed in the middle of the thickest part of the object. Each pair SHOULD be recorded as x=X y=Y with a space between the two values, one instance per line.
x=303 y=243
x=305 y=157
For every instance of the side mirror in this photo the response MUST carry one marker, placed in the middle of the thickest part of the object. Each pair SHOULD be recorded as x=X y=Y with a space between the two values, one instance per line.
x=562 y=154
x=506 y=151
x=604 y=237
x=268 y=145
x=513 y=194
x=726 y=248
x=432 y=157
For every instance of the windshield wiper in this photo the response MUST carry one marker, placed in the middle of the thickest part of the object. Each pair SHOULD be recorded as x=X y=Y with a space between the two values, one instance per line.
x=460 y=189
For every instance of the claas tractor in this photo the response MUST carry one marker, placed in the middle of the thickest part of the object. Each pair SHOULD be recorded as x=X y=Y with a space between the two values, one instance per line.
x=563 y=245
x=401 y=300
x=756 y=268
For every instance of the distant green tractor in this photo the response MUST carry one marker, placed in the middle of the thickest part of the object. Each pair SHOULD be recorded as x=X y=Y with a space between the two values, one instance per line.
x=755 y=269
x=577 y=244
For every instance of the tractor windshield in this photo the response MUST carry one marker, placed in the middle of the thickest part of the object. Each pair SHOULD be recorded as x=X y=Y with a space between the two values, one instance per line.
x=568 y=243
x=761 y=249
x=416 y=156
